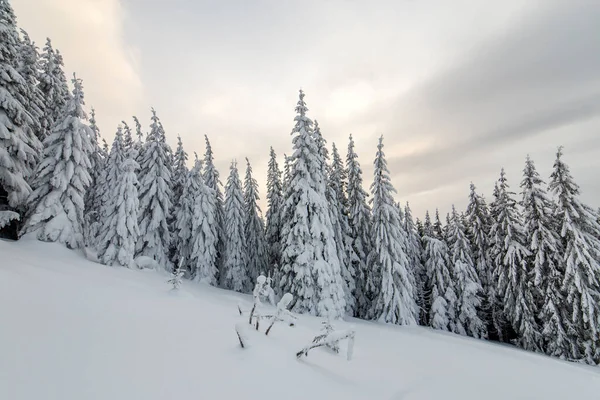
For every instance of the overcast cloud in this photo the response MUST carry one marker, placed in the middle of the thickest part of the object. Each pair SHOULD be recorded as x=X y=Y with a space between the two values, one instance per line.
x=458 y=89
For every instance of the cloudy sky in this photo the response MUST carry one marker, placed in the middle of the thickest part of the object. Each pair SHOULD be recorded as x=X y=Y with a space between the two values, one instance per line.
x=458 y=88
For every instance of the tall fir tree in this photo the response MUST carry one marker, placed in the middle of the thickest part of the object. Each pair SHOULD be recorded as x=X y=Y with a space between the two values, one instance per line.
x=93 y=196
x=466 y=281
x=339 y=223
x=29 y=68
x=19 y=146
x=155 y=197
x=184 y=217
x=359 y=220
x=119 y=231
x=515 y=274
x=395 y=302
x=478 y=225
x=179 y=175
x=236 y=259
x=337 y=185
x=254 y=228
x=543 y=241
x=213 y=181
x=52 y=85
x=310 y=266
x=442 y=296
x=579 y=232
x=204 y=236
x=274 y=217
x=62 y=177
x=414 y=252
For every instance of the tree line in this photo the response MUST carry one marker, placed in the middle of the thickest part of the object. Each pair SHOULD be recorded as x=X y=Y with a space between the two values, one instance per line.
x=522 y=270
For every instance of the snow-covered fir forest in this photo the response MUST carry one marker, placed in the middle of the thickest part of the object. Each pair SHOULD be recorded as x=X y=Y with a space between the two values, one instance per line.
x=522 y=267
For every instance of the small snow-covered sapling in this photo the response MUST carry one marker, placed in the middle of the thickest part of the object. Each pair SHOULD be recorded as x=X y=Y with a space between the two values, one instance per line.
x=282 y=313
x=262 y=289
x=330 y=338
x=175 y=280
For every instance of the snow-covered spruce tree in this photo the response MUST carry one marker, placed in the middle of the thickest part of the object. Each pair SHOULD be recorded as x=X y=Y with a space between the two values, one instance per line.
x=478 y=225
x=236 y=260
x=19 y=147
x=204 y=236
x=128 y=142
x=179 y=175
x=515 y=274
x=442 y=296
x=212 y=180
x=543 y=241
x=29 y=68
x=395 y=302
x=119 y=232
x=502 y=330
x=184 y=217
x=359 y=221
x=466 y=281
x=155 y=197
x=414 y=252
x=274 y=217
x=438 y=228
x=112 y=170
x=254 y=229
x=52 y=85
x=310 y=266
x=139 y=142
x=93 y=196
x=337 y=184
x=62 y=177
x=339 y=224
x=579 y=233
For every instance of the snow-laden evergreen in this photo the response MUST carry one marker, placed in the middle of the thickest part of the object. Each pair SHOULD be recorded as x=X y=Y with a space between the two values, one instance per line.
x=19 y=146
x=359 y=220
x=441 y=296
x=254 y=228
x=180 y=170
x=204 y=235
x=212 y=180
x=119 y=231
x=310 y=266
x=543 y=241
x=29 y=68
x=478 y=225
x=274 y=217
x=236 y=260
x=139 y=142
x=515 y=274
x=337 y=184
x=52 y=85
x=395 y=301
x=129 y=142
x=62 y=177
x=466 y=281
x=155 y=197
x=184 y=217
x=337 y=214
x=179 y=175
x=579 y=232
x=111 y=173
x=414 y=252
x=97 y=188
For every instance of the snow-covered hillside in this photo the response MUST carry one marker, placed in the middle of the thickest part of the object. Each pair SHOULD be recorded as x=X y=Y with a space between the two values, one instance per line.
x=72 y=330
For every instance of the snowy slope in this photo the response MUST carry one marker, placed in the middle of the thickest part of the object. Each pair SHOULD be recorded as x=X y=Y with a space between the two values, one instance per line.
x=72 y=330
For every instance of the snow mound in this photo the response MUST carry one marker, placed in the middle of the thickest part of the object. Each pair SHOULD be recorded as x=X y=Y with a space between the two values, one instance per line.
x=73 y=329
